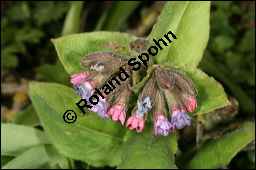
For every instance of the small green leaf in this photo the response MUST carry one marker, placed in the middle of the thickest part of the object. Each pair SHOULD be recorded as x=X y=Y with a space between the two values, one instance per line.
x=71 y=24
x=71 y=49
x=17 y=138
x=116 y=16
x=189 y=21
x=98 y=142
x=27 y=117
x=210 y=93
x=145 y=151
x=221 y=151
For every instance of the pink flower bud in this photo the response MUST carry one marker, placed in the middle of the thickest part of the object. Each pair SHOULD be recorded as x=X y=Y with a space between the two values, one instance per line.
x=79 y=78
x=192 y=105
x=117 y=112
x=135 y=122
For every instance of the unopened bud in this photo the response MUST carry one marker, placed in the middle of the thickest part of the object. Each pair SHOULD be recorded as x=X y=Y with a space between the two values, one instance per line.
x=139 y=45
x=164 y=79
x=183 y=82
x=104 y=62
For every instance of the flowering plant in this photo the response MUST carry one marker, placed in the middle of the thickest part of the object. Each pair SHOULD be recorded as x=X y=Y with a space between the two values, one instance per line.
x=156 y=101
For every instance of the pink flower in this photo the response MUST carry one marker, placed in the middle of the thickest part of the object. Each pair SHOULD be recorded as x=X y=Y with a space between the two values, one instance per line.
x=192 y=105
x=79 y=78
x=135 y=122
x=117 y=112
x=162 y=126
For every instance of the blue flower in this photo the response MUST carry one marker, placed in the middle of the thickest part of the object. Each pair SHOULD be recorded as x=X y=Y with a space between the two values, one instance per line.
x=143 y=107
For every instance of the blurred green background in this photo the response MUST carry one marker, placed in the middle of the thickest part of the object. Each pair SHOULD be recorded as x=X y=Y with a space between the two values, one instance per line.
x=27 y=54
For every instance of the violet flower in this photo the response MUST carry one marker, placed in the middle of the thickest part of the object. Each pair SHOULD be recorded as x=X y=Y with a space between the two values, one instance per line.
x=162 y=126
x=100 y=108
x=84 y=90
x=180 y=118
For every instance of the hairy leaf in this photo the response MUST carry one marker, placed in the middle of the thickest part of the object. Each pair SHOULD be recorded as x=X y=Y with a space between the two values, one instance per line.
x=189 y=21
x=98 y=142
x=221 y=151
x=145 y=151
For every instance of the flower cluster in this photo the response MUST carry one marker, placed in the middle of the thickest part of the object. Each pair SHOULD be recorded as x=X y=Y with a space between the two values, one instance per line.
x=165 y=88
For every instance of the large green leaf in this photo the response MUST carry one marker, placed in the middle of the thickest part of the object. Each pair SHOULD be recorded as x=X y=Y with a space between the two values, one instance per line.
x=98 y=142
x=221 y=151
x=189 y=21
x=17 y=138
x=145 y=151
x=71 y=49
x=210 y=93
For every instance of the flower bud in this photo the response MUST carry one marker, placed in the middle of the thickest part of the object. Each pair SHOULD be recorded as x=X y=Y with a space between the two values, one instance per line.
x=104 y=62
x=164 y=79
x=183 y=82
x=139 y=45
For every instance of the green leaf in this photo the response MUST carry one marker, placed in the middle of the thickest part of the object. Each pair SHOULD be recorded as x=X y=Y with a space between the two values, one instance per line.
x=116 y=16
x=38 y=157
x=27 y=117
x=145 y=151
x=221 y=43
x=98 y=142
x=210 y=93
x=71 y=24
x=189 y=21
x=221 y=151
x=71 y=49
x=17 y=138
